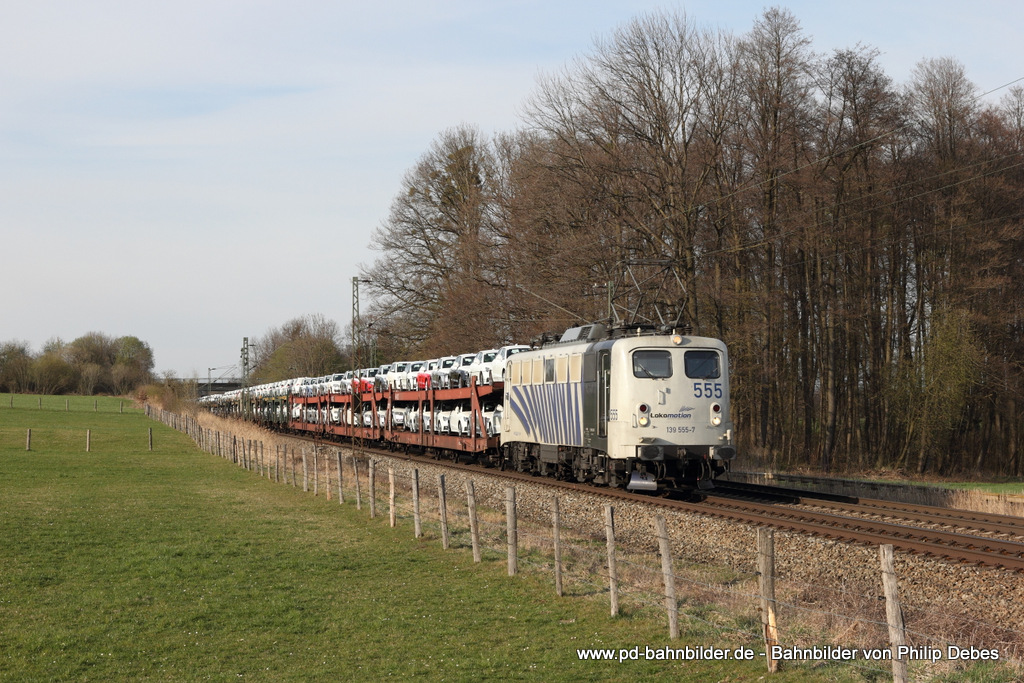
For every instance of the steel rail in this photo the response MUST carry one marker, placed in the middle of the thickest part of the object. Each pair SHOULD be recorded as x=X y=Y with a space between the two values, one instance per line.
x=947 y=546
x=978 y=550
x=963 y=519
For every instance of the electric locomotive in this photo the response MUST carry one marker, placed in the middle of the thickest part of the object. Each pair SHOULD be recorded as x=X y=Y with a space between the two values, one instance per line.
x=624 y=408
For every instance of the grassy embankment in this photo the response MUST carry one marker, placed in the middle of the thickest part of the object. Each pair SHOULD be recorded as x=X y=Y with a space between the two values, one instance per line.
x=125 y=564
x=1001 y=485
x=1005 y=498
x=1000 y=495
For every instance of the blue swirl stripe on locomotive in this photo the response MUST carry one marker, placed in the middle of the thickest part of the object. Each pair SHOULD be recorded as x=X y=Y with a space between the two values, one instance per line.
x=550 y=412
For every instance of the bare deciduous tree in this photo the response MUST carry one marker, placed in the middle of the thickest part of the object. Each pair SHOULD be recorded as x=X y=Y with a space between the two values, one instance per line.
x=307 y=346
x=439 y=249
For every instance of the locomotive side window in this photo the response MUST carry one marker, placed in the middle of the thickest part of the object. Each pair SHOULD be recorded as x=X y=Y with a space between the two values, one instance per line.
x=562 y=369
x=549 y=370
x=702 y=365
x=652 y=364
x=576 y=367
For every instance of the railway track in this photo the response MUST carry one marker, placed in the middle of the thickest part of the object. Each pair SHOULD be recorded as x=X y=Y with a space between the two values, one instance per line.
x=945 y=534
x=970 y=521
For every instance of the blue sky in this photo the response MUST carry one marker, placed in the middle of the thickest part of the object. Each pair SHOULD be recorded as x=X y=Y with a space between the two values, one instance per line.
x=195 y=172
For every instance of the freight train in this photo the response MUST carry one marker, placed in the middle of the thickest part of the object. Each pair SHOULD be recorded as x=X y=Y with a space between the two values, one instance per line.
x=637 y=408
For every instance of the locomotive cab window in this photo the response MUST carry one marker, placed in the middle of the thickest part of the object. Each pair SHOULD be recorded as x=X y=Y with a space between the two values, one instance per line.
x=652 y=364
x=702 y=365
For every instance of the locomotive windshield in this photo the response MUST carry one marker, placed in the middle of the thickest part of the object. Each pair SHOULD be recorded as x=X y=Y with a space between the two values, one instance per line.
x=652 y=364
x=702 y=365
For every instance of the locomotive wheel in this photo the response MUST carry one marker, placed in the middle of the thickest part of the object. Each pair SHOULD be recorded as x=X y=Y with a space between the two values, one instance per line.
x=578 y=472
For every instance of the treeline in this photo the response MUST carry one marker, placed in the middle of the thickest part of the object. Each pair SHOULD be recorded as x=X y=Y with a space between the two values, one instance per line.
x=858 y=243
x=92 y=364
x=306 y=346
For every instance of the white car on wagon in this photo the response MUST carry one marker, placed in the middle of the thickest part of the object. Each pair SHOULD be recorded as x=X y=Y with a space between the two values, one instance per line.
x=491 y=367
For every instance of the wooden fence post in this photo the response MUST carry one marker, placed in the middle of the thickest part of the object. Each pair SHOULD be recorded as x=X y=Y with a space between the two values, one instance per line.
x=512 y=530
x=305 y=473
x=766 y=579
x=556 y=523
x=474 y=528
x=613 y=579
x=668 y=576
x=28 y=440
x=417 y=526
x=391 y=496
x=442 y=508
x=373 y=488
x=316 y=469
x=341 y=493
x=893 y=612
x=327 y=474
x=355 y=475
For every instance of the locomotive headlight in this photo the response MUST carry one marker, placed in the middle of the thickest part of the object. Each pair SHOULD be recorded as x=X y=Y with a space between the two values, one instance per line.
x=677 y=339
x=716 y=414
x=644 y=411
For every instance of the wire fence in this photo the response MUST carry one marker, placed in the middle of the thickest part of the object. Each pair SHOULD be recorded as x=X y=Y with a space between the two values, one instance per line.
x=789 y=621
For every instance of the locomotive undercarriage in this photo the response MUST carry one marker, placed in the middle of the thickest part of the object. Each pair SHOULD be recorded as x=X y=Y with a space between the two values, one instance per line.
x=591 y=466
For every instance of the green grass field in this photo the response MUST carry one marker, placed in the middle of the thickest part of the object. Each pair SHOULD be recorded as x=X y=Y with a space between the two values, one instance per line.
x=122 y=564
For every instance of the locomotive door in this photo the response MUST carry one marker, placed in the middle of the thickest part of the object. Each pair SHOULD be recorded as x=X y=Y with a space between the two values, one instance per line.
x=604 y=391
